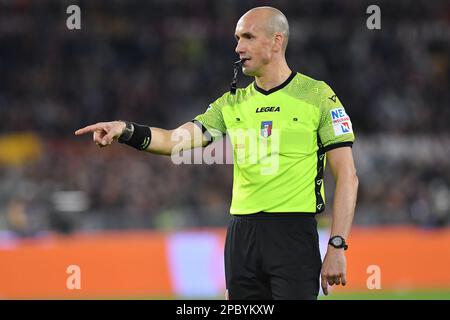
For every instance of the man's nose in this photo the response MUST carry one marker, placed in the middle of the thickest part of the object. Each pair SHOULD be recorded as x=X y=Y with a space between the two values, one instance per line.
x=239 y=49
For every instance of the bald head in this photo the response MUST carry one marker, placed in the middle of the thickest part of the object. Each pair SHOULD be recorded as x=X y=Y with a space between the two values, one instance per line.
x=271 y=20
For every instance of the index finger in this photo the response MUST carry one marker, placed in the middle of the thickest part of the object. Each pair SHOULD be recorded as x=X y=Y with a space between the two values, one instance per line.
x=91 y=128
x=324 y=285
x=343 y=279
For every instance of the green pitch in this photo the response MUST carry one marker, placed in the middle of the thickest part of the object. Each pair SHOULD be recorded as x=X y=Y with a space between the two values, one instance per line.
x=389 y=295
x=443 y=294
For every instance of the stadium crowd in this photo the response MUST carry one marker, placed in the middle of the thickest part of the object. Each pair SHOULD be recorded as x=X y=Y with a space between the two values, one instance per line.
x=162 y=62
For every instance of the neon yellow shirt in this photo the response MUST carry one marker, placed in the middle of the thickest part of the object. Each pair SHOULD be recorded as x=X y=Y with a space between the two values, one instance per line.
x=279 y=140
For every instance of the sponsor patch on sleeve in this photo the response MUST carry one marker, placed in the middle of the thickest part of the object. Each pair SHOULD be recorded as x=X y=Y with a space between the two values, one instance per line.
x=341 y=121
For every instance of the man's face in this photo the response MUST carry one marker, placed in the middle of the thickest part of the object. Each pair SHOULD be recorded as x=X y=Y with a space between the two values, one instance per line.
x=253 y=45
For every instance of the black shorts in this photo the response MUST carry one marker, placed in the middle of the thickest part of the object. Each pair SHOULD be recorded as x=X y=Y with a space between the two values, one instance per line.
x=272 y=256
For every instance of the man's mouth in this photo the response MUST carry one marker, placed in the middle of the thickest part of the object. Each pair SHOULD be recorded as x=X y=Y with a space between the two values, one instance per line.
x=244 y=60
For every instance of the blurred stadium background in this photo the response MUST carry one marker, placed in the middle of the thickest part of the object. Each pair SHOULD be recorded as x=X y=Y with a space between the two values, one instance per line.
x=139 y=226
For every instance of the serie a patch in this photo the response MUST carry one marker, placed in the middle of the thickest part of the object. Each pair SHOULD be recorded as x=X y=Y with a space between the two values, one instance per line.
x=341 y=121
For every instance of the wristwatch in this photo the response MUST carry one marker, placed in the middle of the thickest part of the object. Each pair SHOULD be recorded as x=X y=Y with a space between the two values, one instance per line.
x=338 y=242
x=127 y=132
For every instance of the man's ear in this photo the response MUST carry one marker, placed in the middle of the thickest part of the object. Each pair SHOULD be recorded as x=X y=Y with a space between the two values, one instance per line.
x=278 y=39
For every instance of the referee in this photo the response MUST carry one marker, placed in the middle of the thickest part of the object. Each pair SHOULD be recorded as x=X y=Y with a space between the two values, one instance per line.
x=272 y=246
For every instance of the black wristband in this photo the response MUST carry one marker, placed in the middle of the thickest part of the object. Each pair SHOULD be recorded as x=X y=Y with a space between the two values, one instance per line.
x=140 y=138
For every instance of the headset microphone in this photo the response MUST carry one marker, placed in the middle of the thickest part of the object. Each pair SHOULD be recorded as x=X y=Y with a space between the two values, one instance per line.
x=237 y=66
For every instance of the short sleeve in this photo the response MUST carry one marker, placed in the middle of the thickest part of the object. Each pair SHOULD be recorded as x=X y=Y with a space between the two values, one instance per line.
x=212 y=118
x=335 y=127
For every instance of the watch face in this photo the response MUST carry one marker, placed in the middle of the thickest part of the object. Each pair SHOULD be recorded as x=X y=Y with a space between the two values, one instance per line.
x=337 y=242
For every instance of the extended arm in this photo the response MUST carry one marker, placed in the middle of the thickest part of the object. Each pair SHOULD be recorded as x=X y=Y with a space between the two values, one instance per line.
x=165 y=142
